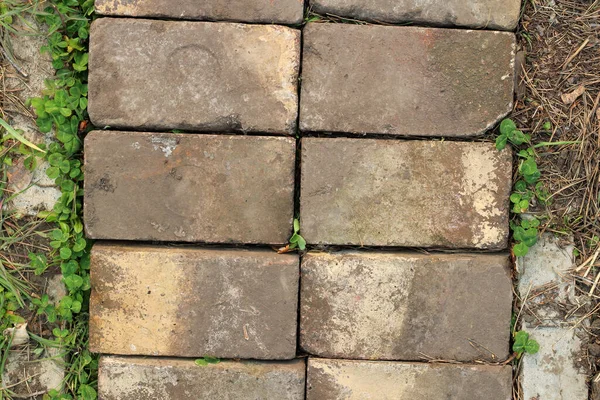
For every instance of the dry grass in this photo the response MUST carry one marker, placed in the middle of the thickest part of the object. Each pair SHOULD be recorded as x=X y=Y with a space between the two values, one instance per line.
x=561 y=41
x=562 y=44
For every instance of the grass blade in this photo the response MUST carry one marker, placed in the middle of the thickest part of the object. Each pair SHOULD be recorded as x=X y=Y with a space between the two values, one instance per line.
x=18 y=136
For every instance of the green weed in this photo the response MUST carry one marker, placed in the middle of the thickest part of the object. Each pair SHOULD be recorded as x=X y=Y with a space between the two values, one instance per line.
x=204 y=361
x=62 y=109
x=526 y=189
x=297 y=241
x=524 y=344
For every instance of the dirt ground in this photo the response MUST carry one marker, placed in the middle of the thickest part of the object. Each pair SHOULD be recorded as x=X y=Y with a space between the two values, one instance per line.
x=558 y=100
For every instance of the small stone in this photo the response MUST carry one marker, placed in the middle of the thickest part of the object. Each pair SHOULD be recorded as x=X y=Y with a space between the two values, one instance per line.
x=358 y=380
x=189 y=188
x=266 y=11
x=191 y=302
x=18 y=335
x=135 y=378
x=406 y=306
x=405 y=81
x=199 y=76
x=489 y=14
x=405 y=193
x=33 y=191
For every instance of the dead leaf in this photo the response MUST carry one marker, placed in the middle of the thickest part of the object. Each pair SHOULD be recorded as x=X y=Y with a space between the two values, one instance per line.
x=19 y=177
x=569 y=98
x=283 y=250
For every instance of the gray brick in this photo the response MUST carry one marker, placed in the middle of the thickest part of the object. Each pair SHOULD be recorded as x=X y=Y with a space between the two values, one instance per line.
x=490 y=14
x=133 y=378
x=280 y=11
x=406 y=306
x=192 y=302
x=405 y=193
x=199 y=76
x=404 y=80
x=189 y=188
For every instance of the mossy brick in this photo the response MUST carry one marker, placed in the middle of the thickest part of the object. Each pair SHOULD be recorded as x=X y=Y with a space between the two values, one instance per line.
x=197 y=76
x=189 y=188
x=265 y=11
x=405 y=193
x=357 y=380
x=488 y=14
x=135 y=378
x=406 y=306
x=405 y=81
x=193 y=302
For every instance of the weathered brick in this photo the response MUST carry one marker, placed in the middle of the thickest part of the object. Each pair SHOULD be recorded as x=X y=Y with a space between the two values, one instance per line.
x=491 y=14
x=358 y=380
x=280 y=11
x=405 y=193
x=406 y=306
x=405 y=80
x=189 y=188
x=201 y=76
x=133 y=378
x=192 y=302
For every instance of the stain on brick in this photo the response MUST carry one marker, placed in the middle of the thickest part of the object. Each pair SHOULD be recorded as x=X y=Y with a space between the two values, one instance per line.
x=405 y=81
x=191 y=302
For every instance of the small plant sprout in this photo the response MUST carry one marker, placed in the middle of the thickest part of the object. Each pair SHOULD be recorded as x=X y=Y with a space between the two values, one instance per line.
x=510 y=133
x=524 y=344
x=297 y=241
x=204 y=361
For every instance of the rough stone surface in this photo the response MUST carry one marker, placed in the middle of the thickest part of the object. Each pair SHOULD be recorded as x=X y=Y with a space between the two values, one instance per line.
x=359 y=380
x=131 y=378
x=405 y=80
x=552 y=314
x=36 y=192
x=199 y=76
x=189 y=188
x=192 y=302
x=545 y=282
x=280 y=11
x=557 y=371
x=25 y=48
x=398 y=193
x=491 y=14
x=30 y=376
x=406 y=306
x=33 y=191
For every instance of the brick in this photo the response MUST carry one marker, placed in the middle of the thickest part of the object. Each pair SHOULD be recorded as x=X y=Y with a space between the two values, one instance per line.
x=490 y=14
x=192 y=302
x=189 y=188
x=266 y=11
x=199 y=76
x=405 y=193
x=405 y=80
x=406 y=306
x=357 y=380
x=133 y=378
